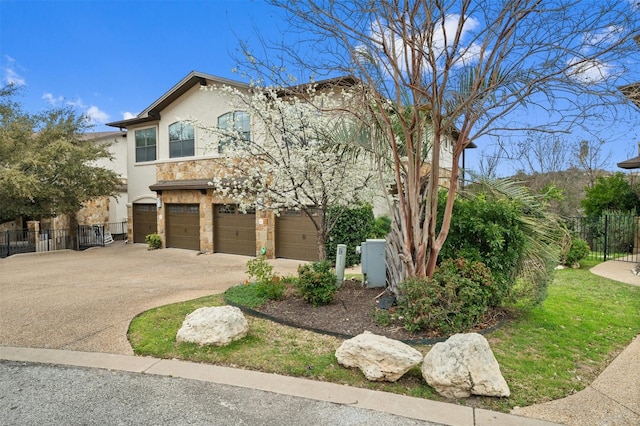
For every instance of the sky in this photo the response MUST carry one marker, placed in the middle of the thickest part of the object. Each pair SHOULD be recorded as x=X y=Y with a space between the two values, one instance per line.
x=112 y=59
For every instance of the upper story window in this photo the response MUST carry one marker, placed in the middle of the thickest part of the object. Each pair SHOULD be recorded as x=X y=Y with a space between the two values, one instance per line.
x=238 y=121
x=181 y=140
x=145 y=144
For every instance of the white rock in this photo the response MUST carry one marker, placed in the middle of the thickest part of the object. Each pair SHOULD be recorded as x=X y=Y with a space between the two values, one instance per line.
x=219 y=325
x=378 y=357
x=464 y=365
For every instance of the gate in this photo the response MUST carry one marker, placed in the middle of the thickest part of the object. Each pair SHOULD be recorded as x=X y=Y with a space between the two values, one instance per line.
x=610 y=237
x=24 y=241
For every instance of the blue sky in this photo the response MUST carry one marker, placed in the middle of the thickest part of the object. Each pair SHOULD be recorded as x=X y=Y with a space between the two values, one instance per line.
x=112 y=59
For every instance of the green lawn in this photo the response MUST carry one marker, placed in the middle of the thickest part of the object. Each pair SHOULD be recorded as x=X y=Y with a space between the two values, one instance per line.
x=545 y=353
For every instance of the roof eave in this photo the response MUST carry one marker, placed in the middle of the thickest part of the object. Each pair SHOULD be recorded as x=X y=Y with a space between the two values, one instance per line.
x=632 y=163
x=123 y=124
x=152 y=112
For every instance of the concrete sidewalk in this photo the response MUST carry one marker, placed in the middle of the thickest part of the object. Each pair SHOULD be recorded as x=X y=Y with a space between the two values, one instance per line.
x=614 y=396
x=413 y=408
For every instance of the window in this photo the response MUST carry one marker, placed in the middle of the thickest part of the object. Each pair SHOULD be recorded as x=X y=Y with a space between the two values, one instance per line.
x=181 y=140
x=145 y=144
x=236 y=122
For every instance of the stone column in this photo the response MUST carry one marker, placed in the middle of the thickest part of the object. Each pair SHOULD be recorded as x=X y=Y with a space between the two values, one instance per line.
x=265 y=233
x=33 y=228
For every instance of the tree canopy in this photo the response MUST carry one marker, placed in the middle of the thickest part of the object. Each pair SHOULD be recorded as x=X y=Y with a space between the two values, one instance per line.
x=458 y=71
x=47 y=167
x=610 y=193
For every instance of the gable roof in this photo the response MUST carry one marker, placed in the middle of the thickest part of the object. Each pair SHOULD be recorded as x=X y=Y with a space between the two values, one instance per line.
x=152 y=112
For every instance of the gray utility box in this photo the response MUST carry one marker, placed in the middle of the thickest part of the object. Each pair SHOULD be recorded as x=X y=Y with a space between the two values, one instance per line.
x=374 y=265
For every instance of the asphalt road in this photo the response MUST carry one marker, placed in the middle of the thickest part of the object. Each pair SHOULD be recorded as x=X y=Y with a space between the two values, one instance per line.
x=39 y=394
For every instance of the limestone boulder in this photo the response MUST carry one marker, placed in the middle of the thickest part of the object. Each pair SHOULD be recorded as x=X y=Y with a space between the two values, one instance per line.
x=378 y=357
x=219 y=326
x=464 y=365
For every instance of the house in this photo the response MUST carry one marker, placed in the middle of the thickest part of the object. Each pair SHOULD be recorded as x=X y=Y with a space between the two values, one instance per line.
x=112 y=210
x=104 y=210
x=171 y=168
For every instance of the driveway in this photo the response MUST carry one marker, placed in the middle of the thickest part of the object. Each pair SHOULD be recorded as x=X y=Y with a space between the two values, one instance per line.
x=84 y=301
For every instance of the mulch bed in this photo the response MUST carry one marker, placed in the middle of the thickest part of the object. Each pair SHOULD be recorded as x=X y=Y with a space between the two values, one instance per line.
x=351 y=313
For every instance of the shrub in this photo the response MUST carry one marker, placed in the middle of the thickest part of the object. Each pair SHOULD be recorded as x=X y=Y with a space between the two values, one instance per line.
x=317 y=283
x=266 y=283
x=530 y=288
x=578 y=250
x=381 y=227
x=487 y=229
x=454 y=300
x=154 y=241
x=352 y=226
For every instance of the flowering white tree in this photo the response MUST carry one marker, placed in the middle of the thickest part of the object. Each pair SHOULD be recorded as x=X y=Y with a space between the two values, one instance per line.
x=301 y=153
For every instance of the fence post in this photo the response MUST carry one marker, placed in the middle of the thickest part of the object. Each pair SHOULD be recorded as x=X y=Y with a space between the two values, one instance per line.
x=8 y=234
x=606 y=231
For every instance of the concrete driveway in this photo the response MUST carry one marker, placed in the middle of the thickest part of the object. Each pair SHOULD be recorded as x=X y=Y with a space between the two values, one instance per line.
x=84 y=301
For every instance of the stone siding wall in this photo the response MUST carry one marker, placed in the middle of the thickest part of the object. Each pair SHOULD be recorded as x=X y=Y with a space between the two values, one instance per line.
x=14 y=225
x=190 y=169
x=94 y=212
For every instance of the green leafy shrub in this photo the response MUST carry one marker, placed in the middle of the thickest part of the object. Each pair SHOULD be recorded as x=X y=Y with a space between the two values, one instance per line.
x=352 y=226
x=454 y=300
x=381 y=227
x=317 y=283
x=578 y=250
x=154 y=241
x=266 y=283
x=487 y=229
x=382 y=317
x=610 y=193
x=530 y=288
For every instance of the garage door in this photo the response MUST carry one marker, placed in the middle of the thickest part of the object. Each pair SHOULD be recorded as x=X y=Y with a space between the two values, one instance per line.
x=296 y=236
x=234 y=231
x=183 y=226
x=145 y=221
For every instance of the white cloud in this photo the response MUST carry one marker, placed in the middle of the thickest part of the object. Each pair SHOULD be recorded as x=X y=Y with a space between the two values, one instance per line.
x=11 y=76
x=611 y=34
x=127 y=115
x=443 y=34
x=52 y=99
x=96 y=115
x=588 y=71
x=76 y=104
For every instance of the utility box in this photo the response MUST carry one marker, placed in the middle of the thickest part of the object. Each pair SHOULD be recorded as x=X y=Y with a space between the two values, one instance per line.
x=374 y=265
x=361 y=250
x=341 y=258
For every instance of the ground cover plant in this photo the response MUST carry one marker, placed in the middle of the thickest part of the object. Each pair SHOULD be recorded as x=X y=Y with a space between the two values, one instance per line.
x=545 y=352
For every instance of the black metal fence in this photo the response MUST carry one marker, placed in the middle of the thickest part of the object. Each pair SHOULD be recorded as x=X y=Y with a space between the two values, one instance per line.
x=610 y=237
x=81 y=238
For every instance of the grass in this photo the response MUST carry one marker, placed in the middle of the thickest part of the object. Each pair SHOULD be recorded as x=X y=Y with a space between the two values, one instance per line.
x=545 y=353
